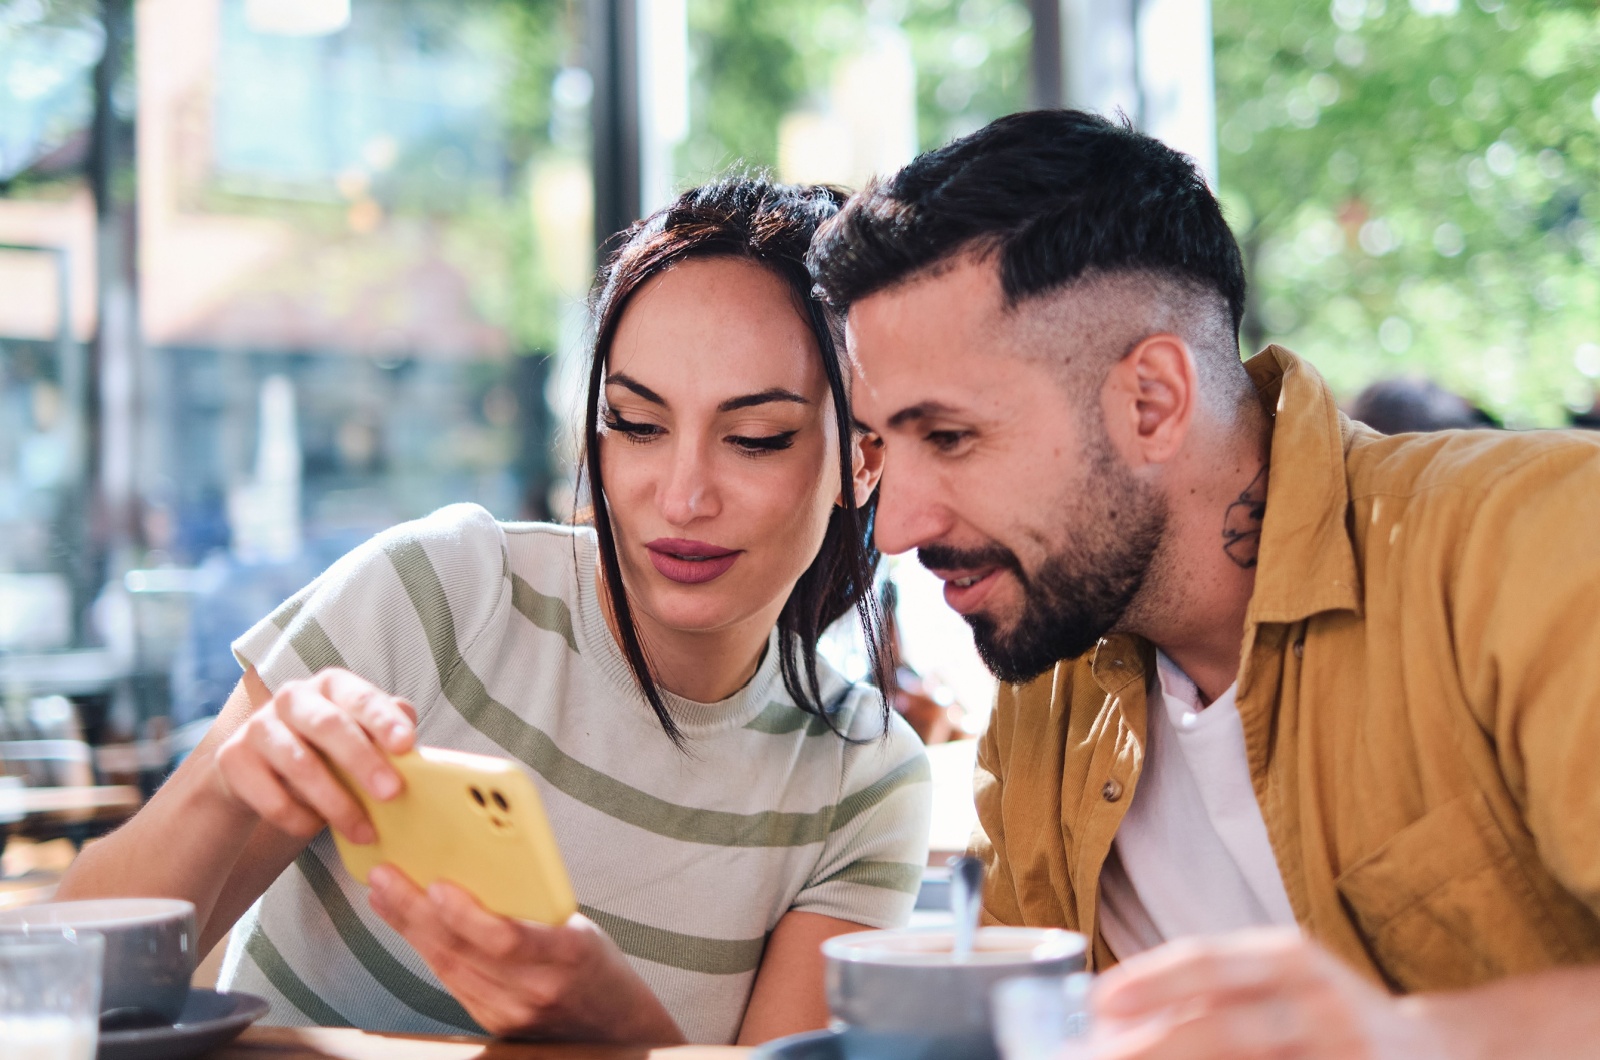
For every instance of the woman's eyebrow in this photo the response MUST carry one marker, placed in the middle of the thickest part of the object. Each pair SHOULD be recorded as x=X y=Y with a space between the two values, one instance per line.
x=776 y=393
x=629 y=383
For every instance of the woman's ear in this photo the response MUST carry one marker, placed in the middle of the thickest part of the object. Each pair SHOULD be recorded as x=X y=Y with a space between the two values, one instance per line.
x=866 y=467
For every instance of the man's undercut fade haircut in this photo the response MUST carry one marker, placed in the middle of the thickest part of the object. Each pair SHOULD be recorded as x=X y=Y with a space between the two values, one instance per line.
x=1052 y=195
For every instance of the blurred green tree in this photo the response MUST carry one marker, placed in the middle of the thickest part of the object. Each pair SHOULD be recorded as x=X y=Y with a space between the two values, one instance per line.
x=756 y=61
x=1417 y=187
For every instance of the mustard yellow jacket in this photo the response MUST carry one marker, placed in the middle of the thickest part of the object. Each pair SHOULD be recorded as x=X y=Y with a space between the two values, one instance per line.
x=1420 y=694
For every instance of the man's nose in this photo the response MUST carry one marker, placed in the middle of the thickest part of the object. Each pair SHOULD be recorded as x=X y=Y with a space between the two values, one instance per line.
x=690 y=492
x=909 y=512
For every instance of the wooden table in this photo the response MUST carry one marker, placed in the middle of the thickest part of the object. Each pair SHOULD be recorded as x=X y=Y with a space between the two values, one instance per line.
x=323 y=1043
x=70 y=805
x=77 y=813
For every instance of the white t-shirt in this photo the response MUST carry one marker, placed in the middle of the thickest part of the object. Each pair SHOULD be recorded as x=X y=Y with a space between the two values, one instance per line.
x=1192 y=855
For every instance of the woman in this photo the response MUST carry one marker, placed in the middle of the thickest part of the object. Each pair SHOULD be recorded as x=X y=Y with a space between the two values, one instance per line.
x=723 y=800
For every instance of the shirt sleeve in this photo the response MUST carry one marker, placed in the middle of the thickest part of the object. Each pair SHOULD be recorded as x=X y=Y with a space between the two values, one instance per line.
x=1527 y=628
x=398 y=611
x=1000 y=903
x=872 y=860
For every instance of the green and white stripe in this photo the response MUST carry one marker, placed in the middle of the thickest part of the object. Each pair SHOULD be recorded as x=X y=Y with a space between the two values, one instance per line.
x=494 y=632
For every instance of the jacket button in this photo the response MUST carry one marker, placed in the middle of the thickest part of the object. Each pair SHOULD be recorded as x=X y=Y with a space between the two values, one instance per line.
x=1112 y=791
x=1300 y=648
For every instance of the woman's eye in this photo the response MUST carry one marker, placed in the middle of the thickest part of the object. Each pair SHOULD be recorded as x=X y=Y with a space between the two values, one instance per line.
x=770 y=443
x=634 y=432
x=946 y=441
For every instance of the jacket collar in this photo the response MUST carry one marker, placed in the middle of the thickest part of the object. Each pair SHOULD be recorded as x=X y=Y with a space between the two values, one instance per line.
x=1307 y=562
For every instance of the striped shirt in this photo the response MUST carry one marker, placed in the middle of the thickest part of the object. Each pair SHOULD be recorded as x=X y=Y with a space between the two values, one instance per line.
x=494 y=632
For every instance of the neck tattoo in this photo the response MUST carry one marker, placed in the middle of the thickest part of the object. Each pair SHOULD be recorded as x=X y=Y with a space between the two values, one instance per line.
x=1241 y=523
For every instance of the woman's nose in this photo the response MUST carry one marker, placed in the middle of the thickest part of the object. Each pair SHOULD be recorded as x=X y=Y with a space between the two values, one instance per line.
x=690 y=491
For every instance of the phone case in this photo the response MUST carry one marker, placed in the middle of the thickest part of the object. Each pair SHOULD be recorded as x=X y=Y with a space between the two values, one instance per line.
x=471 y=820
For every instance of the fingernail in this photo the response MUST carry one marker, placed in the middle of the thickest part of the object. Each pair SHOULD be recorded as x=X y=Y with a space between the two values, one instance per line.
x=384 y=784
x=379 y=878
x=436 y=894
x=363 y=835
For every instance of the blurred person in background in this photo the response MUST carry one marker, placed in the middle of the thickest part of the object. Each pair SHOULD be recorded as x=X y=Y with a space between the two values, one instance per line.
x=1298 y=718
x=933 y=722
x=1588 y=420
x=1412 y=404
x=723 y=800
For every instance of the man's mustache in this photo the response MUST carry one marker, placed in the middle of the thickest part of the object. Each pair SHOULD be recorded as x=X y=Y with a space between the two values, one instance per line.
x=948 y=557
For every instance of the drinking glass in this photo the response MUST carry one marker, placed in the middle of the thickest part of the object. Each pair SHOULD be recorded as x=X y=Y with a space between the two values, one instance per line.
x=50 y=994
x=1043 y=1017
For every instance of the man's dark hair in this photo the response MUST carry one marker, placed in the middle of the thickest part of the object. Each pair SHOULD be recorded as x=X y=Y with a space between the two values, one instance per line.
x=1054 y=195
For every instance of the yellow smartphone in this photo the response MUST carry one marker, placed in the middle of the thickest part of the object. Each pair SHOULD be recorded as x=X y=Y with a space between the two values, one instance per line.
x=472 y=820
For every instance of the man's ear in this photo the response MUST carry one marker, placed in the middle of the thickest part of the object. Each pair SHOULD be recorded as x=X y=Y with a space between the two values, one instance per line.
x=1149 y=399
x=866 y=467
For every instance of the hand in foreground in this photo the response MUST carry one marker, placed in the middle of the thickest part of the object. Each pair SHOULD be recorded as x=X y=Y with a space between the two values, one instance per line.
x=271 y=766
x=519 y=979
x=1264 y=993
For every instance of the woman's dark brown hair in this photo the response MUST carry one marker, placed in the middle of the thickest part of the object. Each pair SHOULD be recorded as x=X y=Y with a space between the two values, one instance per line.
x=769 y=225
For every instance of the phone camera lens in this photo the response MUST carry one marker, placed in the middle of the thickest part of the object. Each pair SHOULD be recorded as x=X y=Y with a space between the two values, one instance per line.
x=477 y=796
x=500 y=800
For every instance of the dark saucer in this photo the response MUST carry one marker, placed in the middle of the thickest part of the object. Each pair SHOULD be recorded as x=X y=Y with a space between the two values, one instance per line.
x=208 y=1020
x=812 y=1045
x=852 y=1043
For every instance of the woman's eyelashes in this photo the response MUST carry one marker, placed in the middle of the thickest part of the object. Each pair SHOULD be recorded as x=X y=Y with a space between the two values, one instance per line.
x=634 y=432
x=770 y=443
x=753 y=445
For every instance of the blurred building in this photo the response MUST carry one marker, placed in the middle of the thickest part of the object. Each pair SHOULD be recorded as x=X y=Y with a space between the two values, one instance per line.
x=279 y=273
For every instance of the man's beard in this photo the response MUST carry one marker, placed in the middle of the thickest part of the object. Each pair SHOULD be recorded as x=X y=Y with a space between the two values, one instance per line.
x=1079 y=593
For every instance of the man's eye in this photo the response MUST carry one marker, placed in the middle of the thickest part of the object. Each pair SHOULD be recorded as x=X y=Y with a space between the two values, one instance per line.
x=770 y=443
x=634 y=432
x=945 y=441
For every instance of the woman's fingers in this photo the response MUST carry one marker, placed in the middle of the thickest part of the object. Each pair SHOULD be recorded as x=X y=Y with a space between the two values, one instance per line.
x=391 y=722
x=249 y=779
x=493 y=965
x=308 y=780
x=496 y=937
x=407 y=910
x=324 y=714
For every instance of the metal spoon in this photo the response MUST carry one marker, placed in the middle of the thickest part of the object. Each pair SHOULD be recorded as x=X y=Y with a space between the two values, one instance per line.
x=966 y=892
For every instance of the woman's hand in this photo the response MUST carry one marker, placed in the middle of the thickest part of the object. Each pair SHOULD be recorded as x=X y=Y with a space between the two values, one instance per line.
x=521 y=979
x=273 y=764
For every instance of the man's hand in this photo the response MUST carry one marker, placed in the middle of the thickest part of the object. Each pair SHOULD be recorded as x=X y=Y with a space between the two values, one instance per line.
x=521 y=979
x=1264 y=993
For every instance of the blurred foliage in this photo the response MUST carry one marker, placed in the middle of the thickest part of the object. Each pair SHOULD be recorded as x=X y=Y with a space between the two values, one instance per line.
x=1417 y=188
x=756 y=61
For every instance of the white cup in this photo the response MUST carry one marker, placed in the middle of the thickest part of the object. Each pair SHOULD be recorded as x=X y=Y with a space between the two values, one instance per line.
x=907 y=995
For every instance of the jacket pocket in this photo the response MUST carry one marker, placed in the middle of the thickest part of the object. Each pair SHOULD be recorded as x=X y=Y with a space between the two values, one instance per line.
x=1445 y=904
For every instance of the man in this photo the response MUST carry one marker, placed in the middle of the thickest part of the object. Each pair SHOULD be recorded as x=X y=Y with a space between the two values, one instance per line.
x=1299 y=720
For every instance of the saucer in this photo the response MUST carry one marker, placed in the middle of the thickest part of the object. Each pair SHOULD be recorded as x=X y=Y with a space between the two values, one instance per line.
x=854 y=1044
x=208 y=1020
x=811 y=1045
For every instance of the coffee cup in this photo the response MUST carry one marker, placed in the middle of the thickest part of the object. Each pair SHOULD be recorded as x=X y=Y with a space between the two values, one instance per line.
x=150 y=948
x=906 y=995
